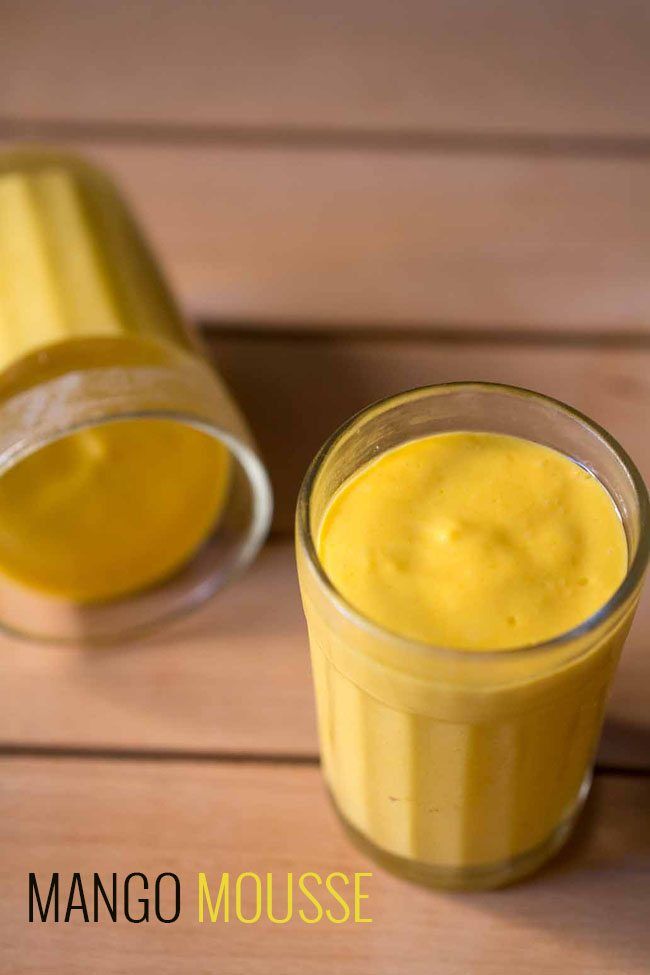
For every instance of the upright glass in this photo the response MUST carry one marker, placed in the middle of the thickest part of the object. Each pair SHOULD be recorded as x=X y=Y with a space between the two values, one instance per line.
x=455 y=768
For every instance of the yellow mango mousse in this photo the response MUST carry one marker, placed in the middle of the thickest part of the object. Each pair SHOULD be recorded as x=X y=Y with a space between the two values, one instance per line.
x=112 y=509
x=460 y=765
x=474 y=541
x=100 y=513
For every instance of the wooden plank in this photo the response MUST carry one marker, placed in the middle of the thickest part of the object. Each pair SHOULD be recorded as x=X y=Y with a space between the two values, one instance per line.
x=310 y=384
x=444 y=239
x=507 y=67
x=234 y=678
x=586 y=912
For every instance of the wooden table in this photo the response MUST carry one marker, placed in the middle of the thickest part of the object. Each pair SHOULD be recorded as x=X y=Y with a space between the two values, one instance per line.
x=351 y=201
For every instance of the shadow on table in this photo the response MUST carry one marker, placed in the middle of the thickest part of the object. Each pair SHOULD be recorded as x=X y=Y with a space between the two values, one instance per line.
x=629 y=744
x=594 y=893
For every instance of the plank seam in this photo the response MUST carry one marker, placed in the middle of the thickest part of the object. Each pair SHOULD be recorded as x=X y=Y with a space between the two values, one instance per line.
x=223 y=757
x=320 y=331
x=451 y=141
x=155 y=755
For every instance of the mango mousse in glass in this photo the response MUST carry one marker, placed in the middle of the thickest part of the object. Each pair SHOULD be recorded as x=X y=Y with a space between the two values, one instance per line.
x=470 y=558
x=130 y=488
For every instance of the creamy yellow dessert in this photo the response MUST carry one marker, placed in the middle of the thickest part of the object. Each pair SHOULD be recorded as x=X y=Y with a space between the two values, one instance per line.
x=475 y=541
x=118 y=507
x=109 y=510
x=455 y=756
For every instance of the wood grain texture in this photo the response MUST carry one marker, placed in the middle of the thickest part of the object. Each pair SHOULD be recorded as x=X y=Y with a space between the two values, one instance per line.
x=232 y=679
x=586 y=912
x=443 y=239
x=296 y=390
x=509 y=67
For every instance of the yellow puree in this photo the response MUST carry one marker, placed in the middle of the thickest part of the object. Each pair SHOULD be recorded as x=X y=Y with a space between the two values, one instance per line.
x=474 y=540
x=119 y=507
x=109 y=510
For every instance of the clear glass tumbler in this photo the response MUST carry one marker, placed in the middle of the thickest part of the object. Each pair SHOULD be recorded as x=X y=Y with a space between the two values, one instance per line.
x=455 y=768
x=130 y=485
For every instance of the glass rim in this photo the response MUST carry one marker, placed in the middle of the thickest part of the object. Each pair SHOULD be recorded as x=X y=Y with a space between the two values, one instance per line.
x=619 y=597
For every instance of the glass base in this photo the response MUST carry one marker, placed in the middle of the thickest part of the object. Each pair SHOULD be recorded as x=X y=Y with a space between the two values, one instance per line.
x=487 y=877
